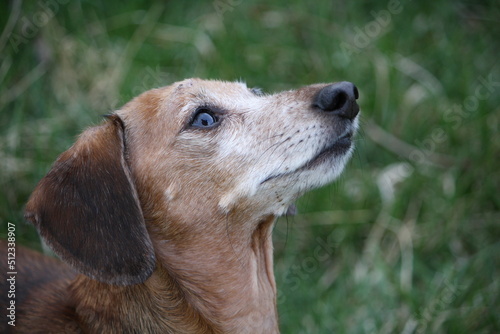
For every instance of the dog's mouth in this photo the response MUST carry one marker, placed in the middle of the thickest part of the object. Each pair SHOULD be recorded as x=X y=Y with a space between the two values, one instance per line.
x=339 y=147
x=336 y=149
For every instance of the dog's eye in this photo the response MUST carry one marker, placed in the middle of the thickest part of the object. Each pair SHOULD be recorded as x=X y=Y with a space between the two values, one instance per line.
x=204 y=118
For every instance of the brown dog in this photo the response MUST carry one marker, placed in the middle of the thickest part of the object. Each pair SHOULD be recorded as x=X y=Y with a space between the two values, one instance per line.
x=164 y=212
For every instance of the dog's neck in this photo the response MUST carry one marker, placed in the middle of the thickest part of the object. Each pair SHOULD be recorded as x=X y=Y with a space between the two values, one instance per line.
x=218 y=279
x=225 y=270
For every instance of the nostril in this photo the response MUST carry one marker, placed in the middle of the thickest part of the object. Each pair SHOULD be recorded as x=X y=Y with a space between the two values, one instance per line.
x=339 y=99
x=332 y=101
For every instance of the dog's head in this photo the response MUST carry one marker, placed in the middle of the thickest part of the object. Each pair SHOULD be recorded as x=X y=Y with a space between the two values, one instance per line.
x=188 y=152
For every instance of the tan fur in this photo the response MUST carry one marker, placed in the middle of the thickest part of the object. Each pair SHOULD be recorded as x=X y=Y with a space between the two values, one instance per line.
x=170 y=225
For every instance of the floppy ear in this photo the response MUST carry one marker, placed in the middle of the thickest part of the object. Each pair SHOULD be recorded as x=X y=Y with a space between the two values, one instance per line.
x=87 y=209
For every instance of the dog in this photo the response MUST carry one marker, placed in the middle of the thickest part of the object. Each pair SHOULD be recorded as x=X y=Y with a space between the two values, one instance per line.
x=162 y=215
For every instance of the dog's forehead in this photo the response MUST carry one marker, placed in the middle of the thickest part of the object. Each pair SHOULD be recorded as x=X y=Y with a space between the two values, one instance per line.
x=192 y=88
x=180 y=97
x=169 y=107
x=190 y=94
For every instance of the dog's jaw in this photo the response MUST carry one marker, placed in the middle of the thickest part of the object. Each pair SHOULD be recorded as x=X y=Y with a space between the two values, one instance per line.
x=272 y=191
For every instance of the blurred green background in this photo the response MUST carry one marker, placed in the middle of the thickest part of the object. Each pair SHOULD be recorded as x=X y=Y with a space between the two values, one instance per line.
x=407 y=241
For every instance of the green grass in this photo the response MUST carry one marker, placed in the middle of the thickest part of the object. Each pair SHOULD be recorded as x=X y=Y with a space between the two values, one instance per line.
x=406 y=241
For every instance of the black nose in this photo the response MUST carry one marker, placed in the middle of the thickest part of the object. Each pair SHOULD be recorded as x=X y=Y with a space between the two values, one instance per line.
x=340 y=99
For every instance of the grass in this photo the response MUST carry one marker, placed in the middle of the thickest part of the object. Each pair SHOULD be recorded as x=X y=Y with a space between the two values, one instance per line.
x=406 y=241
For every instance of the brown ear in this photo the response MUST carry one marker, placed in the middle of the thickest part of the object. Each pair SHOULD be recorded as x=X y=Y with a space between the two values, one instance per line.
x=87 y=209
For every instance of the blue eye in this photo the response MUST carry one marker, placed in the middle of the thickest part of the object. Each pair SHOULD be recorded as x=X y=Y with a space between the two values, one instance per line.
x=204 y=118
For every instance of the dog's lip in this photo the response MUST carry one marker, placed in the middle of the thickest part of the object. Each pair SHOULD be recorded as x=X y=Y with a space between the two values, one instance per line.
x=339 y=146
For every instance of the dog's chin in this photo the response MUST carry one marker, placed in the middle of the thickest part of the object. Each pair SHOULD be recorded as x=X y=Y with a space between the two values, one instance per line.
x=284 y=189
x=325 y=167
x=276 y=193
